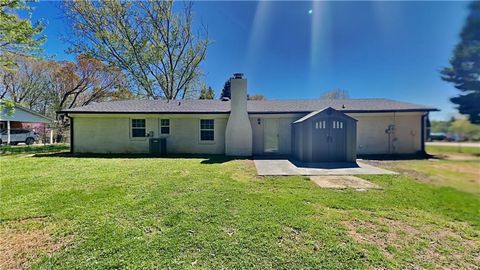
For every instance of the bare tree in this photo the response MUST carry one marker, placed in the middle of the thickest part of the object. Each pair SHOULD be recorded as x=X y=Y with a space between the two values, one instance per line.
x=335 y=94
x=79 y=84
x=155 y=46
x=49 y=86
x=25 y=84
x=256 y=97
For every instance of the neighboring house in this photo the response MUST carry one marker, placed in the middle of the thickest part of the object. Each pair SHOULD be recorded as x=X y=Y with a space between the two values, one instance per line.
x=244 y=128
x=23 y=118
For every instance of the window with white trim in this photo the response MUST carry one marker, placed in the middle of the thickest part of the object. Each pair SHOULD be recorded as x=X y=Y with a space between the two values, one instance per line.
x=164 y=126
x=138 y=128
x=207 y=130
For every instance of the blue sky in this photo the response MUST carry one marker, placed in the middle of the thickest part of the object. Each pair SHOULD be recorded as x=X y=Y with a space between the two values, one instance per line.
x=371 y=49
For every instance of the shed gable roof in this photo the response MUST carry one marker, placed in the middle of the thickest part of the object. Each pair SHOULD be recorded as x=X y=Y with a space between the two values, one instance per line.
x=323 y=111
x=253 y=106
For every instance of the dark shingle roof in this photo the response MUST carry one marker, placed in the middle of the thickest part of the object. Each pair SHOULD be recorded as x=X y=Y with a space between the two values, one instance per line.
x=254 y=106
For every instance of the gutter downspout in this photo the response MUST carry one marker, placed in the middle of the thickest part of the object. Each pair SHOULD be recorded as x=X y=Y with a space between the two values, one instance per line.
x=71 y=133
x=423 y=137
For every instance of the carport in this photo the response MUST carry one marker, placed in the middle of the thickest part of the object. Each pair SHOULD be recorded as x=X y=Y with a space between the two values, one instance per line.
x=14 y=117
x=327 y=135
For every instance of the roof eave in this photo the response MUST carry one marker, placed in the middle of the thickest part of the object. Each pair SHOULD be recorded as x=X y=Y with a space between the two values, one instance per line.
x=141 y=112
x=250 y=112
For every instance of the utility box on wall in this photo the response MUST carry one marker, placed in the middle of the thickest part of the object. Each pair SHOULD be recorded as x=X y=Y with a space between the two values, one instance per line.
x=158 y=146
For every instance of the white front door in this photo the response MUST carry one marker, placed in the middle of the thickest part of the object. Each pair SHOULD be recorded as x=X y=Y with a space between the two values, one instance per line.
x=270 y=136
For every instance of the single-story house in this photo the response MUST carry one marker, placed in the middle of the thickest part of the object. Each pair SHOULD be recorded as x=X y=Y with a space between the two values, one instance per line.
x=239 y=127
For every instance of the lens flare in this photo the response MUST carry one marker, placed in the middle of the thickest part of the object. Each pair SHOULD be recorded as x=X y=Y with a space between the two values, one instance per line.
x=258 y=31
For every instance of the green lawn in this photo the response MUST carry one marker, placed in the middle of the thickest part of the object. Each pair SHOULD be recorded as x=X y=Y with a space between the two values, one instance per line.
x=214 y=213
x=36 y=148
x=463 y=175
x=453 y=149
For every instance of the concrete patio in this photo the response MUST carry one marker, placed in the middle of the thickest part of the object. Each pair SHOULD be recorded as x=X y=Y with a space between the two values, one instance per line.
x=278 y=166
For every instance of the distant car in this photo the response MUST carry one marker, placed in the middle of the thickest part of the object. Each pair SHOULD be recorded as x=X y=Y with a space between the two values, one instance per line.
x=438 y=136
x=459 y=138
x=19 y=136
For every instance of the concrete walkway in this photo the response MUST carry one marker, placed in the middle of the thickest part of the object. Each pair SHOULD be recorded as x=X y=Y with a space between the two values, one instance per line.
x=286 y=167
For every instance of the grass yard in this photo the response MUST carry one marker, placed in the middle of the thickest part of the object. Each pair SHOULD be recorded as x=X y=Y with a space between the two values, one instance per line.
x=451 y=166
x=463 y=175
x=36 y=148
x=213 y=213
x=453 y=149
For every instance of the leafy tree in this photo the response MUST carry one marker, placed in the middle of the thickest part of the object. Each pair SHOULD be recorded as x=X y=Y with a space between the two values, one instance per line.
x=460 y=127
x=464 y=128
x=464 y=69
x=156 y=47
x=17 y=36
x=439 y=126
x=335 y=94
x=226 y=91
x=7 y=106
x=207 y=93
x=256 y=97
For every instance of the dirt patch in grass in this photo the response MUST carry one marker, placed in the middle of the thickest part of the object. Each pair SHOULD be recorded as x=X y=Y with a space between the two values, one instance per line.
x=342 y=182
x=473 y=169
x=24 y=241
x=413 y=245
x=290 y=237
x=457 y=156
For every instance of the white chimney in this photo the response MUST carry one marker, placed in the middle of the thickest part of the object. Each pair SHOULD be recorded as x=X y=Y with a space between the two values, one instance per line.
x=238 y=135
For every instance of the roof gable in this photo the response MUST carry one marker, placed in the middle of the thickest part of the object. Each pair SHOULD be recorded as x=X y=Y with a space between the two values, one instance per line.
x=328 y=111
x=23 y=114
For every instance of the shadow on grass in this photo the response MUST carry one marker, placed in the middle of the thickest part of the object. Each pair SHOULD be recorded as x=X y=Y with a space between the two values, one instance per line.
x=207 y=159
x=27 y=149
x=417 y=156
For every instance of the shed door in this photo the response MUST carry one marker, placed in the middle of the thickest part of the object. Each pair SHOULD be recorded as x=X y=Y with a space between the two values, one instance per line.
x=329 y=140
x=320 y=138
x=338 y=139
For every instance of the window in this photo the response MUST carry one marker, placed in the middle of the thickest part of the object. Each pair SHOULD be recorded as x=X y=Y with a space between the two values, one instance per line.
x=337 y=124
x=164 y=126
x=138 y=128
x=206 y=130
x=320 y=124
